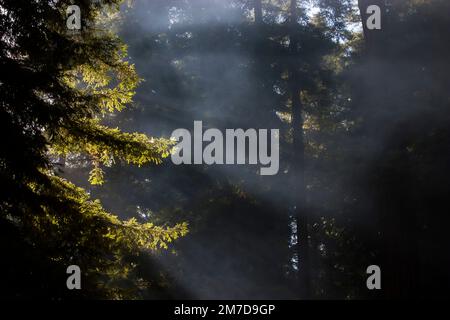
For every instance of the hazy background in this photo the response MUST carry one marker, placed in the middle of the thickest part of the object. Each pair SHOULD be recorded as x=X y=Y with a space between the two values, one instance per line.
x=375 y=111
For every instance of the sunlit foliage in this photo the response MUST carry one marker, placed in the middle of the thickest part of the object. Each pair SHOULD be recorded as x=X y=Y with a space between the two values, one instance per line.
x=56 y=85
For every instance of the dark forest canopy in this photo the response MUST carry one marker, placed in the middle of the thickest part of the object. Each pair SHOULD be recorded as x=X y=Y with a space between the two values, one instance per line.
x=363 y=118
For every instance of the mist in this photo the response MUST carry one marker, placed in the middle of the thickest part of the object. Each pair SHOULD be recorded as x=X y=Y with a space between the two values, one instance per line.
x=366 y=172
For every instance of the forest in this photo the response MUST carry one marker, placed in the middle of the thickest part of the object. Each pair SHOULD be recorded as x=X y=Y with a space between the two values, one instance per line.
x=347 y=103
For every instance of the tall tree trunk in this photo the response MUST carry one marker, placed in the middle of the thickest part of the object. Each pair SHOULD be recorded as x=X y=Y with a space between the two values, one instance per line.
x=299 y=210
x=397 y=223
x=372 y=37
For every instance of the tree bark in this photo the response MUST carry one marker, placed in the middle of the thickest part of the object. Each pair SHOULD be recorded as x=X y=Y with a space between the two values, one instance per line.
x=372 y=37
x=397 y=224
x=299 y=211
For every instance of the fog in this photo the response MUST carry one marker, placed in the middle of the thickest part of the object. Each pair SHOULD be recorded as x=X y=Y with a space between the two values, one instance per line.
x=210 y=61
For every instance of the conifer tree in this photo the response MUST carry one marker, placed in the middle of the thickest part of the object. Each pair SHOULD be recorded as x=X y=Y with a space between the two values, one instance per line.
x=56 y=87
